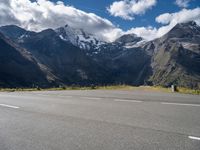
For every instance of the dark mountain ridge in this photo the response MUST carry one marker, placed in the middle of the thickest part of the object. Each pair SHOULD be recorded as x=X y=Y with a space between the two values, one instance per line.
x=18 y=68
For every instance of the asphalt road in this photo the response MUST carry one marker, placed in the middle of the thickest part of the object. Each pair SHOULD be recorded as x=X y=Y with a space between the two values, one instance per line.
x=99 y=120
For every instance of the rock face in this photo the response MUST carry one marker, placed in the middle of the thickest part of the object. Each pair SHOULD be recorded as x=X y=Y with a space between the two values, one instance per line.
x=176 y=57
x=67 y=56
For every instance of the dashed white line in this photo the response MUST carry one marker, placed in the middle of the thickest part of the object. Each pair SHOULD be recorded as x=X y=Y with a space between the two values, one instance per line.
x=92 y=98
x=194 y=138
x=9 y=106
x=61 y=96
x=181 y=104
x=123 y=100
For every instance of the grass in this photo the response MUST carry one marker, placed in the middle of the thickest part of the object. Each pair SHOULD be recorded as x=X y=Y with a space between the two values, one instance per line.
x=114 y=87
x=188 y=91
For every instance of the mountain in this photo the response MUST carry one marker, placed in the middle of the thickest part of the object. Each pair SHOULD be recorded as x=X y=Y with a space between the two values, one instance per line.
x=176 y=57
x=12 y=31
x=103 y=63
x=16 y=33
x=18 y=68
x=184 y=32
x=78 y=37
x=129 y=41
x=126 y=64
x=68 y=56
x=68 y=63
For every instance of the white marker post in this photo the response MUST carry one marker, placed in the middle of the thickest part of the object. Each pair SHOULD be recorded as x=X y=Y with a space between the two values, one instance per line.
x=173 y=87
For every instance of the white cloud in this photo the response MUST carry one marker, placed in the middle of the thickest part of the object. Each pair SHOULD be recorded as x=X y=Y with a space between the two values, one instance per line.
x=184 y=15
x=127 y=9
x=42 y=14
x=147 y=33
x=164 y=18
x=182 y=3
x=169 y=20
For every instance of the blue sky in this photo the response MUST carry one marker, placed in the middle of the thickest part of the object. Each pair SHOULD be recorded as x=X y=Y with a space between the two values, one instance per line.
x=106 y=19
x=148 y=19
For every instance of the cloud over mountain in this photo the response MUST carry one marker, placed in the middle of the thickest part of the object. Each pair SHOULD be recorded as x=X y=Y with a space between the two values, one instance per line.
x=43 y=14
x=169 y=20
x=184 y=15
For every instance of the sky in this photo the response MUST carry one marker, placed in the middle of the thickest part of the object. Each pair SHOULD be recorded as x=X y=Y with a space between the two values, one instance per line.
x=99 y=7
x=107 y=19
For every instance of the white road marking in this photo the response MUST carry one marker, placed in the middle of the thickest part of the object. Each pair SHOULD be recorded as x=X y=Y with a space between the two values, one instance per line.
x=194 y=138
x=62 y=96
x=181 y=104
x=123 y=100
x=13 y=96
x=92 y=98
x=10 y=106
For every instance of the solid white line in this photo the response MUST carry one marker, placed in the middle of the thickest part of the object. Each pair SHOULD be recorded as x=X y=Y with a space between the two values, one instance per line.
x=181 y=104
x=10 y=106
x=92 y=98
x=123 y=100
x=194 y=138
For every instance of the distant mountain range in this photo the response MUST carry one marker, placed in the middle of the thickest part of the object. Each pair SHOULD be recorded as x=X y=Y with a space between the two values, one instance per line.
x=69 y=56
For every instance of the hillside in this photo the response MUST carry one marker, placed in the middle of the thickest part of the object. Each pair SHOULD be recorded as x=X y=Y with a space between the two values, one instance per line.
x=18 y=68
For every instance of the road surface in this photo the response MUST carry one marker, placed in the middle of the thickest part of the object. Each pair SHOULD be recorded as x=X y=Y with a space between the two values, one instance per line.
x=99 y=120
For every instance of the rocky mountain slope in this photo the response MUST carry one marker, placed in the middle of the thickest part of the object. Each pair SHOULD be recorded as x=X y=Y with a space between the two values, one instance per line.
x=176 y=56
x=72 y=56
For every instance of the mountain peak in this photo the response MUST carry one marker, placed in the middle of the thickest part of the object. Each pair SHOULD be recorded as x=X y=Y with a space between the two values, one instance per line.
x=128 y=38
x=12 y=31
x=79 y=37
x=184 y=31
x=190 y=23
x=13 y=27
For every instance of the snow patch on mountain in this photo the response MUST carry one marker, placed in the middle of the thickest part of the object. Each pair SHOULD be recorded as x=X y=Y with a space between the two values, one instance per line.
x=135 y=44
x=79 y=38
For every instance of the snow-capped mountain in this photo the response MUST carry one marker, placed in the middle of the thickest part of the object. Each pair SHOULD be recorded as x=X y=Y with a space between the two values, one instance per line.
x=87 y=41
x=79 y=38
